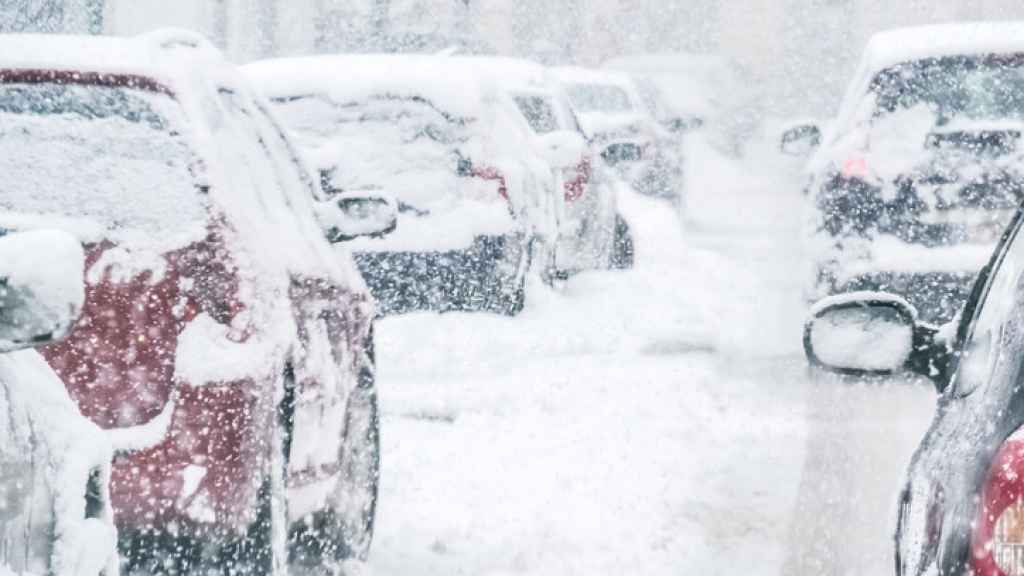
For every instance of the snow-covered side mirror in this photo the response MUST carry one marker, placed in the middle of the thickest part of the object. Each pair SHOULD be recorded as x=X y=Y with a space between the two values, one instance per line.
x=873 y=333
x=350 y=215
x=563 y=148
x=800 y=140
x=41 y=287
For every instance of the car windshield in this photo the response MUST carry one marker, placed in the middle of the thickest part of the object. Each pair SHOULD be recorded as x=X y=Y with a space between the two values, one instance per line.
x=599 y=98
x=972 y=87
x=110 y=154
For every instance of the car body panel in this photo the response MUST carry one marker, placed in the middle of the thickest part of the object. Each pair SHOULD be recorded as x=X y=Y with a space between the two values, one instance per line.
x=210 y=319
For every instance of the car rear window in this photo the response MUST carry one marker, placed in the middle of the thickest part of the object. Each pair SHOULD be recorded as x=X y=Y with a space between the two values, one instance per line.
x=974 y=87
x=539 y=112
x=377 y=141
x=113 y=155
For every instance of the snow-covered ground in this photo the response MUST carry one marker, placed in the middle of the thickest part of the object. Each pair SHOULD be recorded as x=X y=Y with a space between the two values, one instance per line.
x=652 y=421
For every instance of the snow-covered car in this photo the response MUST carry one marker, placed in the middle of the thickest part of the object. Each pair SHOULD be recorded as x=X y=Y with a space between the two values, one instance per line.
x=473 y=191
x=962 y=509
x=55 y=515
x=610 y=112
x=591 y=233
x=685 y=92
x=922 y=168
x=223 y=345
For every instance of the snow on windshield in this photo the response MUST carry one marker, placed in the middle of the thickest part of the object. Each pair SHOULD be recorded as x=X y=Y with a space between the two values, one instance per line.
x=112 y=155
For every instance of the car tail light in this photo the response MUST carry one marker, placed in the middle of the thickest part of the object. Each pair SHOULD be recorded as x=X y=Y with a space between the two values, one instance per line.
x=576 y=184
x=855 y=167
x=491 y=173
x=997 y=544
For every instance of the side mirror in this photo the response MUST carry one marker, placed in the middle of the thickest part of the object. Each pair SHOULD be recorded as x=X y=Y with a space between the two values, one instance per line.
x=563 y=148
x=622 y=152
x=350 y=215
x=800 y=140
x=41 y=287
x=873 y=334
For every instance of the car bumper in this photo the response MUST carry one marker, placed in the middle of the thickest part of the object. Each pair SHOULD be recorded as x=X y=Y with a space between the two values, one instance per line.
x=446 y=280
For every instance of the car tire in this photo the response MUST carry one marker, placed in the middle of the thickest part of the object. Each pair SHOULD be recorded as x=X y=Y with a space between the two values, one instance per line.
x=344 y=531
x=504 y=299
x=622 y=245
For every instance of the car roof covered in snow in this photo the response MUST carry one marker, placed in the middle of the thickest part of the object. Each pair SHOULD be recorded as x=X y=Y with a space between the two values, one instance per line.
x=443 y=81
x=459 y=84
x=154 y=54
x=898 y=45
x=580 y=75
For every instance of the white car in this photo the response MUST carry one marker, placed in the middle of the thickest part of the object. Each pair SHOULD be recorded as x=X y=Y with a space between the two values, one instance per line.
x=611 y=113
x=591 y=233
x=55 y=514
x=689 y=91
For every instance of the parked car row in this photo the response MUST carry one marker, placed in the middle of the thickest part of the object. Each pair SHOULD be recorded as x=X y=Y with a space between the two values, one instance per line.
x=488 y=163
x=224 y=238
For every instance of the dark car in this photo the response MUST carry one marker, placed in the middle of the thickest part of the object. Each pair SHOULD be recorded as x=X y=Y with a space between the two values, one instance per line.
x=921 y=169
x=223 y=345
x=962 y=510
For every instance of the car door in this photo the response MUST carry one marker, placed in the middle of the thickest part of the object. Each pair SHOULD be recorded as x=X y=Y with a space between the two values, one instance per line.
x=980 y=407
x=331 y=314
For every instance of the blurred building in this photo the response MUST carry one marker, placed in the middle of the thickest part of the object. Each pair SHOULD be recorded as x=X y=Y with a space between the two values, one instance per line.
x=801 y=51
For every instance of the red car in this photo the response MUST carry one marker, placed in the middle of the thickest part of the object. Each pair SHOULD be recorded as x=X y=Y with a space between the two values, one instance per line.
x=224 y=346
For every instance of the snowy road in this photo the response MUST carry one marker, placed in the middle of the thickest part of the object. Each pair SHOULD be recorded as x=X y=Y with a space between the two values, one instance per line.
x=653 y=421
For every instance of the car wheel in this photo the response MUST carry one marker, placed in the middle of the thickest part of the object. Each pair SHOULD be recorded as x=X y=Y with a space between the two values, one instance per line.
x=344 y=531
x=507 y=278
x=622 y=245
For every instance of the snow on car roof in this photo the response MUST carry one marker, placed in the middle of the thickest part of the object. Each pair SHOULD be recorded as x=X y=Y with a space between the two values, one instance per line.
x=357 y=77
x=899 y=45
x=143 y=54
x=579 y=75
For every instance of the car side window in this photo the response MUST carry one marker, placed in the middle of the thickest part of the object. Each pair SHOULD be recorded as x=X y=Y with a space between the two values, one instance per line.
x=539 y=113
x=992 y=330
